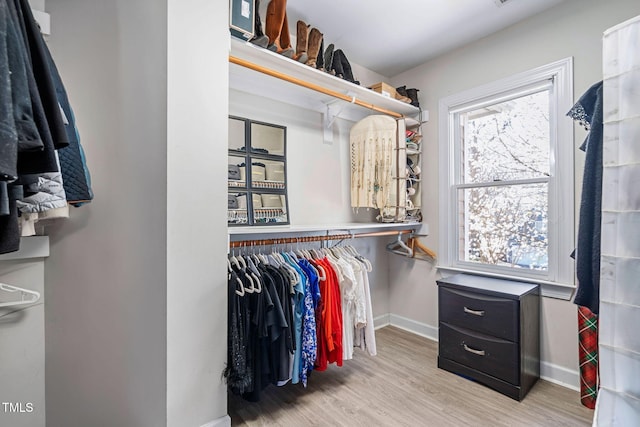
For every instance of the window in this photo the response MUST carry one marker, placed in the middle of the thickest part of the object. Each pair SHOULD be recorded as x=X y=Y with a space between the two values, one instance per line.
x=506 y=192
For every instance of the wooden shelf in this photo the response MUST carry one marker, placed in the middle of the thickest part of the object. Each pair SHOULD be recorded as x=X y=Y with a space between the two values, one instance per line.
x=250 y=81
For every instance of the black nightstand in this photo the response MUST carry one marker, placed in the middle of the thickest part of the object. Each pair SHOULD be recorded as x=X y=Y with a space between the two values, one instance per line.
x=490 y=331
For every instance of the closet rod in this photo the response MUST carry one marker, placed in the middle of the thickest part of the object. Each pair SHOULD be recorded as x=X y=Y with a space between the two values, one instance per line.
x=307 y=239
x=312 y=86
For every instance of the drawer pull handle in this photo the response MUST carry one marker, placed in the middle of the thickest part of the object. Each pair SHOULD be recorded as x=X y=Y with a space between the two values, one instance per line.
x=474 y=312
x=472 y=350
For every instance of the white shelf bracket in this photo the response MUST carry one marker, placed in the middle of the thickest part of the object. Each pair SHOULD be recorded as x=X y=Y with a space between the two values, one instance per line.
x=329 y=117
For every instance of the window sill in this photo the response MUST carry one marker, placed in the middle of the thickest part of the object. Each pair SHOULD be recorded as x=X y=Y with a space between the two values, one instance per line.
x=547 y=289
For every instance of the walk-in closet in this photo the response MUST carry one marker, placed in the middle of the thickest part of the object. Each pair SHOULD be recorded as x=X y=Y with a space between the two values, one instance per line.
x=430 y=217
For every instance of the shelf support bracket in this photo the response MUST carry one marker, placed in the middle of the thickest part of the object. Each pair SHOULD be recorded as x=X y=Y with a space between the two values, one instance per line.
x=329 y=117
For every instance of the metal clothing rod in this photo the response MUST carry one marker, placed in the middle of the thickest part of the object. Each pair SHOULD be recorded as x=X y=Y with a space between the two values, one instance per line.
x=307 y=239
x=312 y=86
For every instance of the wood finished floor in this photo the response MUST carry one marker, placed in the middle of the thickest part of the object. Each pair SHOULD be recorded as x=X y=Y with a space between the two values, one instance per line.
x=402 y=386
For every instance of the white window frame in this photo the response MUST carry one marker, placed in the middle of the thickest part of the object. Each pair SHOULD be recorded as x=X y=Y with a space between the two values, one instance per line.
x=559 y=280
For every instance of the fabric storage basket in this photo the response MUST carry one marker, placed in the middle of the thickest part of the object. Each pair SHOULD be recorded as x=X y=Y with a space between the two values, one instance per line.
x=234 y=172
x=271 y=201
x=275 y=172
x=232 y=202
x=257 y=172
x=242 y=201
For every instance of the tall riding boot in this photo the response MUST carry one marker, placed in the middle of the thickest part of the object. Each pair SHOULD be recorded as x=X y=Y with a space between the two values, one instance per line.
x=346 y=68
x=302 y=41
x=260 y=39
x=277 y=29
x=315 y=39
x=328 y=59
x=336 y=64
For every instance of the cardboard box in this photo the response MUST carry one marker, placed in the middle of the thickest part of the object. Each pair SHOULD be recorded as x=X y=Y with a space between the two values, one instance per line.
x=241 y=18
x=384 y=89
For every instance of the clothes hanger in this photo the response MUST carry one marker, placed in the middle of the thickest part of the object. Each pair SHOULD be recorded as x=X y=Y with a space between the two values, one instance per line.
x=34 y=296
x=251 y=265
x=292 y=272
x=400 y=248
x=240 y=292
x=421 y=251
x=365 y=261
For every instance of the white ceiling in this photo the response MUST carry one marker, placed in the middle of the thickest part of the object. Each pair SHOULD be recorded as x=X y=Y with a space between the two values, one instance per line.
x=389 y=37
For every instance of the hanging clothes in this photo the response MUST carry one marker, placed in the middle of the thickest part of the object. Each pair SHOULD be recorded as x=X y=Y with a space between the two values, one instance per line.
x=33 y=104
x=588 y=111
x=286 y=316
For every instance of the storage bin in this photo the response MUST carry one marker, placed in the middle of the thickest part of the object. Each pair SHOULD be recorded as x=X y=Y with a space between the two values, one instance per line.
x=232 y=202
x=271 y=201
x=242 y=201
x=275 y=172
x=257 y=172
x=385 y=90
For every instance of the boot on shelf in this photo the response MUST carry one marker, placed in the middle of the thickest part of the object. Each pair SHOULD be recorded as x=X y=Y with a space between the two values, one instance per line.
x=402 y=91
x=336 y=64
x=277 y=28
x=315 y=40
x=413 y=94
x=328 y=59
x=320 y=60
x=302 y=41
x=260 y=39
x=342 y=66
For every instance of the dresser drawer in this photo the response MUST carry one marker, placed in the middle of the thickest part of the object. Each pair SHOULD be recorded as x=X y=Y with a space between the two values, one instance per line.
x=493 y=356
x=490 y=315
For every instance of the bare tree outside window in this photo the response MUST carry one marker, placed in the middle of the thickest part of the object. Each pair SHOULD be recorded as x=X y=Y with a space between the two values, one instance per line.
x=503 y=187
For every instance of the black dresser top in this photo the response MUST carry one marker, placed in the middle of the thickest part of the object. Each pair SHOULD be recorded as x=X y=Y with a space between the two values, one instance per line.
x=489 y=285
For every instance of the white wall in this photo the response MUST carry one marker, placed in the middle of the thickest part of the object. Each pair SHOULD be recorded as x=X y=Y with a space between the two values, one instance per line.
x=22 y=337
x=197 y=110
x=37 y=4
x=573 y=28
x=136 y=316
x=106 y=277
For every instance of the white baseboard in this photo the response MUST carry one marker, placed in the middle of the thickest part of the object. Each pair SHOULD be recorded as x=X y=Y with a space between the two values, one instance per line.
x=220 y=422
x=381 y=321
x=406 y=324
x=548 y=371
x=560 y=375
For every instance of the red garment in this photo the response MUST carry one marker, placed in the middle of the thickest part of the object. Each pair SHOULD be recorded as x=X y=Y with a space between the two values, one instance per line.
x=329 y=319
x=333 y=326
x=321 y=341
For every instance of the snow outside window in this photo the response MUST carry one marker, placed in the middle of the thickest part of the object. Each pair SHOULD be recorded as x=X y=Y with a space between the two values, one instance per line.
x=507 y=206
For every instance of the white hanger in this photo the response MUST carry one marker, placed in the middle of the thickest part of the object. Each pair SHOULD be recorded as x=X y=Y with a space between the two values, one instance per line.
x=400 y=248
x=239 y=292
x=34 y=296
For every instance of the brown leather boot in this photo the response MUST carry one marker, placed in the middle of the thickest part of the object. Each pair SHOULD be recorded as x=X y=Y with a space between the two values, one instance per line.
x=277 y=28
x=302 y=40
x=315 y=39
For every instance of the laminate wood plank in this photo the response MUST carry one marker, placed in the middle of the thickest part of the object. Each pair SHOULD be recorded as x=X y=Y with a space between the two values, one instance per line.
x=402 y=386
